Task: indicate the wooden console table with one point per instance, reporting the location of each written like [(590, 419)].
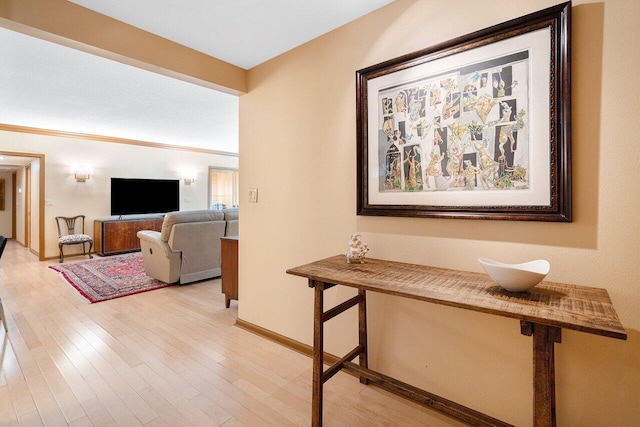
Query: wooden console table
[(542, 312), (229, 250)]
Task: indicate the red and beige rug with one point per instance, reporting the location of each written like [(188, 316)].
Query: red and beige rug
[(102, 279)]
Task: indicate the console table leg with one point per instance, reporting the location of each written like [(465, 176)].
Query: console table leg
[(544, 392), (362, 333), (318, 366)]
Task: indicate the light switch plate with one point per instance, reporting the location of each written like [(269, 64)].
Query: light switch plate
[(253, 195)]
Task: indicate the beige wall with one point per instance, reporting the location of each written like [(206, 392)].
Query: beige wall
[(64, 196), (297, 146)]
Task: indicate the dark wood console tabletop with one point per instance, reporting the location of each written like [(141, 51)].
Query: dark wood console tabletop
[(542, 313)]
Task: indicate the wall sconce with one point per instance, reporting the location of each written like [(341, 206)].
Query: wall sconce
[(189, 178), (81, 173)]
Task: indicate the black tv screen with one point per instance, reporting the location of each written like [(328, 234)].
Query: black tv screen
[(131, 196)]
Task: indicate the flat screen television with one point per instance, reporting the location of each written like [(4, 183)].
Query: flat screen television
[(131, 196)]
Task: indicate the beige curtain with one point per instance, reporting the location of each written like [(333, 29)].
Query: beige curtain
[(224, 187)]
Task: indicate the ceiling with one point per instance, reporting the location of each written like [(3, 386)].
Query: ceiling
[(13, 163), (59, 88), (245, 33)]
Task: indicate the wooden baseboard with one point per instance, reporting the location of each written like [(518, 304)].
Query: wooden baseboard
[(294, 345)]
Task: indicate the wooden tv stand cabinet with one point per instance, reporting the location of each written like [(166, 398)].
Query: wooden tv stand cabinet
[(543, 312), (116, 236)]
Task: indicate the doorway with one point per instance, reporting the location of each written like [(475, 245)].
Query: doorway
[(31, 191)]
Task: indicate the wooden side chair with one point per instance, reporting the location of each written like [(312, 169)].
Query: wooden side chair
[(3, 243), (71, 232)]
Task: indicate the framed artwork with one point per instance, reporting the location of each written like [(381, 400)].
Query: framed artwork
[(2, 189), (476, 127)]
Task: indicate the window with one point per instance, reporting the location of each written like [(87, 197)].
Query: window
[(223, 188)]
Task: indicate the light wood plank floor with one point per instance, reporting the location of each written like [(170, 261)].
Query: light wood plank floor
[(169, 357)]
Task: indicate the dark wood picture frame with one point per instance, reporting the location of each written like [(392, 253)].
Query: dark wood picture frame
[(391, 182)]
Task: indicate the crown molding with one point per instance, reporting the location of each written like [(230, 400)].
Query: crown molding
[(111, 139)]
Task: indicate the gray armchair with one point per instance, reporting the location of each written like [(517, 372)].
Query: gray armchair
[(187, 249)]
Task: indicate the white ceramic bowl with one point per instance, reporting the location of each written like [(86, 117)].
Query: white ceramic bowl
[(516, 277)]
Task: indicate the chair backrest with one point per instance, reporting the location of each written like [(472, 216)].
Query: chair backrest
[(180, 217), (3, 243), (70, 225)]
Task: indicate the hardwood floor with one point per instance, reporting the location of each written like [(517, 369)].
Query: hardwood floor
[(169, 357)]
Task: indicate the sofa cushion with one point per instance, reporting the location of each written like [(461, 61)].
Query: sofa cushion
[(230, 214), (199, 243), (71, 239), (173, 218), (231, 217)]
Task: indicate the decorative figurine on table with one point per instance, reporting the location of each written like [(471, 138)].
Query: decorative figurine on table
[(357, 250)]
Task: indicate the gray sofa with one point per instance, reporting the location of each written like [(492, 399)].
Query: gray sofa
[(187, 248)]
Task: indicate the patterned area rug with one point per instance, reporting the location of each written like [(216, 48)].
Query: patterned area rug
[(101, 279)]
